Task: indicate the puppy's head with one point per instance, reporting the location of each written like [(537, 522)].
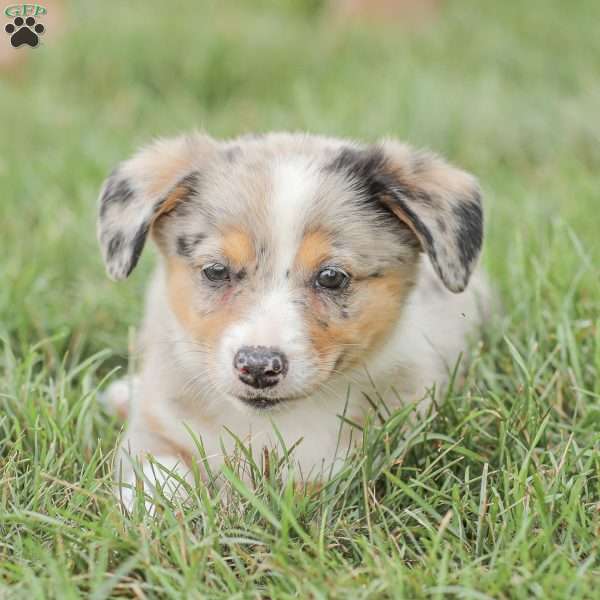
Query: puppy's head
[(288, 258)]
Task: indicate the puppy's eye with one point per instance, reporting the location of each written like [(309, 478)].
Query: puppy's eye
[(216, 272), (332, 278)]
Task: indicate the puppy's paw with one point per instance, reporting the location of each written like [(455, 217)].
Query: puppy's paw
[(119, 395), (165, 476)]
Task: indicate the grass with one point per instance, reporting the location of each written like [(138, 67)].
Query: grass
[(494, 495)]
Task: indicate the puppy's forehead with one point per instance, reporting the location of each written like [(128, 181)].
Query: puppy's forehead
[(279, 190), (265, 189)]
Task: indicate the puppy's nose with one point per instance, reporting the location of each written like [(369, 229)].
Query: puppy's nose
[(259, 366)]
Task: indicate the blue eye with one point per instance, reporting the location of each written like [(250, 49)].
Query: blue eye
[(332, 278), (216, 272)]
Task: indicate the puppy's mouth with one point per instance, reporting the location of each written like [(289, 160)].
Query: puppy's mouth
[(262, 402)]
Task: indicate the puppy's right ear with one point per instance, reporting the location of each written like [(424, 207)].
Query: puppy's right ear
[(141, 189)]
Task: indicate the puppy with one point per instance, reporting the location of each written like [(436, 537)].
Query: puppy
[(295, 272)]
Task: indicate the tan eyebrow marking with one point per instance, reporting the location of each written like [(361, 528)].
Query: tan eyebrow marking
[(313, 250), (238, 247)]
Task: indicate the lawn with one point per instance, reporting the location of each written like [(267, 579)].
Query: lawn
[(496, 493)]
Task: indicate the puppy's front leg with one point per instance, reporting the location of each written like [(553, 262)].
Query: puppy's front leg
[(149, 460)]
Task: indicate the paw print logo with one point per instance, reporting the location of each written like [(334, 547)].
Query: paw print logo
[(24, 32)]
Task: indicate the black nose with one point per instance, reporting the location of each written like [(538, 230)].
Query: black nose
[(259, 366)]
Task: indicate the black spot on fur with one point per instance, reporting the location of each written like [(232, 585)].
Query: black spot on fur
[(191, 181), (186, 244), (469, 234), (364, 167), (241, 274), (232, 153), (183, 248), (114, 245), (117, 191), (372, 175), (137, 245)]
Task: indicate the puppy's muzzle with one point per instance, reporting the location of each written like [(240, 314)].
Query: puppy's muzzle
[(259, 366)]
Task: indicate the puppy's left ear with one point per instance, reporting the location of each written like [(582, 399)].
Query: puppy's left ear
[(141, 189), (440, 203)]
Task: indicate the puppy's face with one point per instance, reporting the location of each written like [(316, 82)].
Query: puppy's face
[(288, 258)]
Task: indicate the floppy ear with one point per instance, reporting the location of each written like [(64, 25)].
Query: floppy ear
[(141, 189), (439, 203), (442, 205)]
